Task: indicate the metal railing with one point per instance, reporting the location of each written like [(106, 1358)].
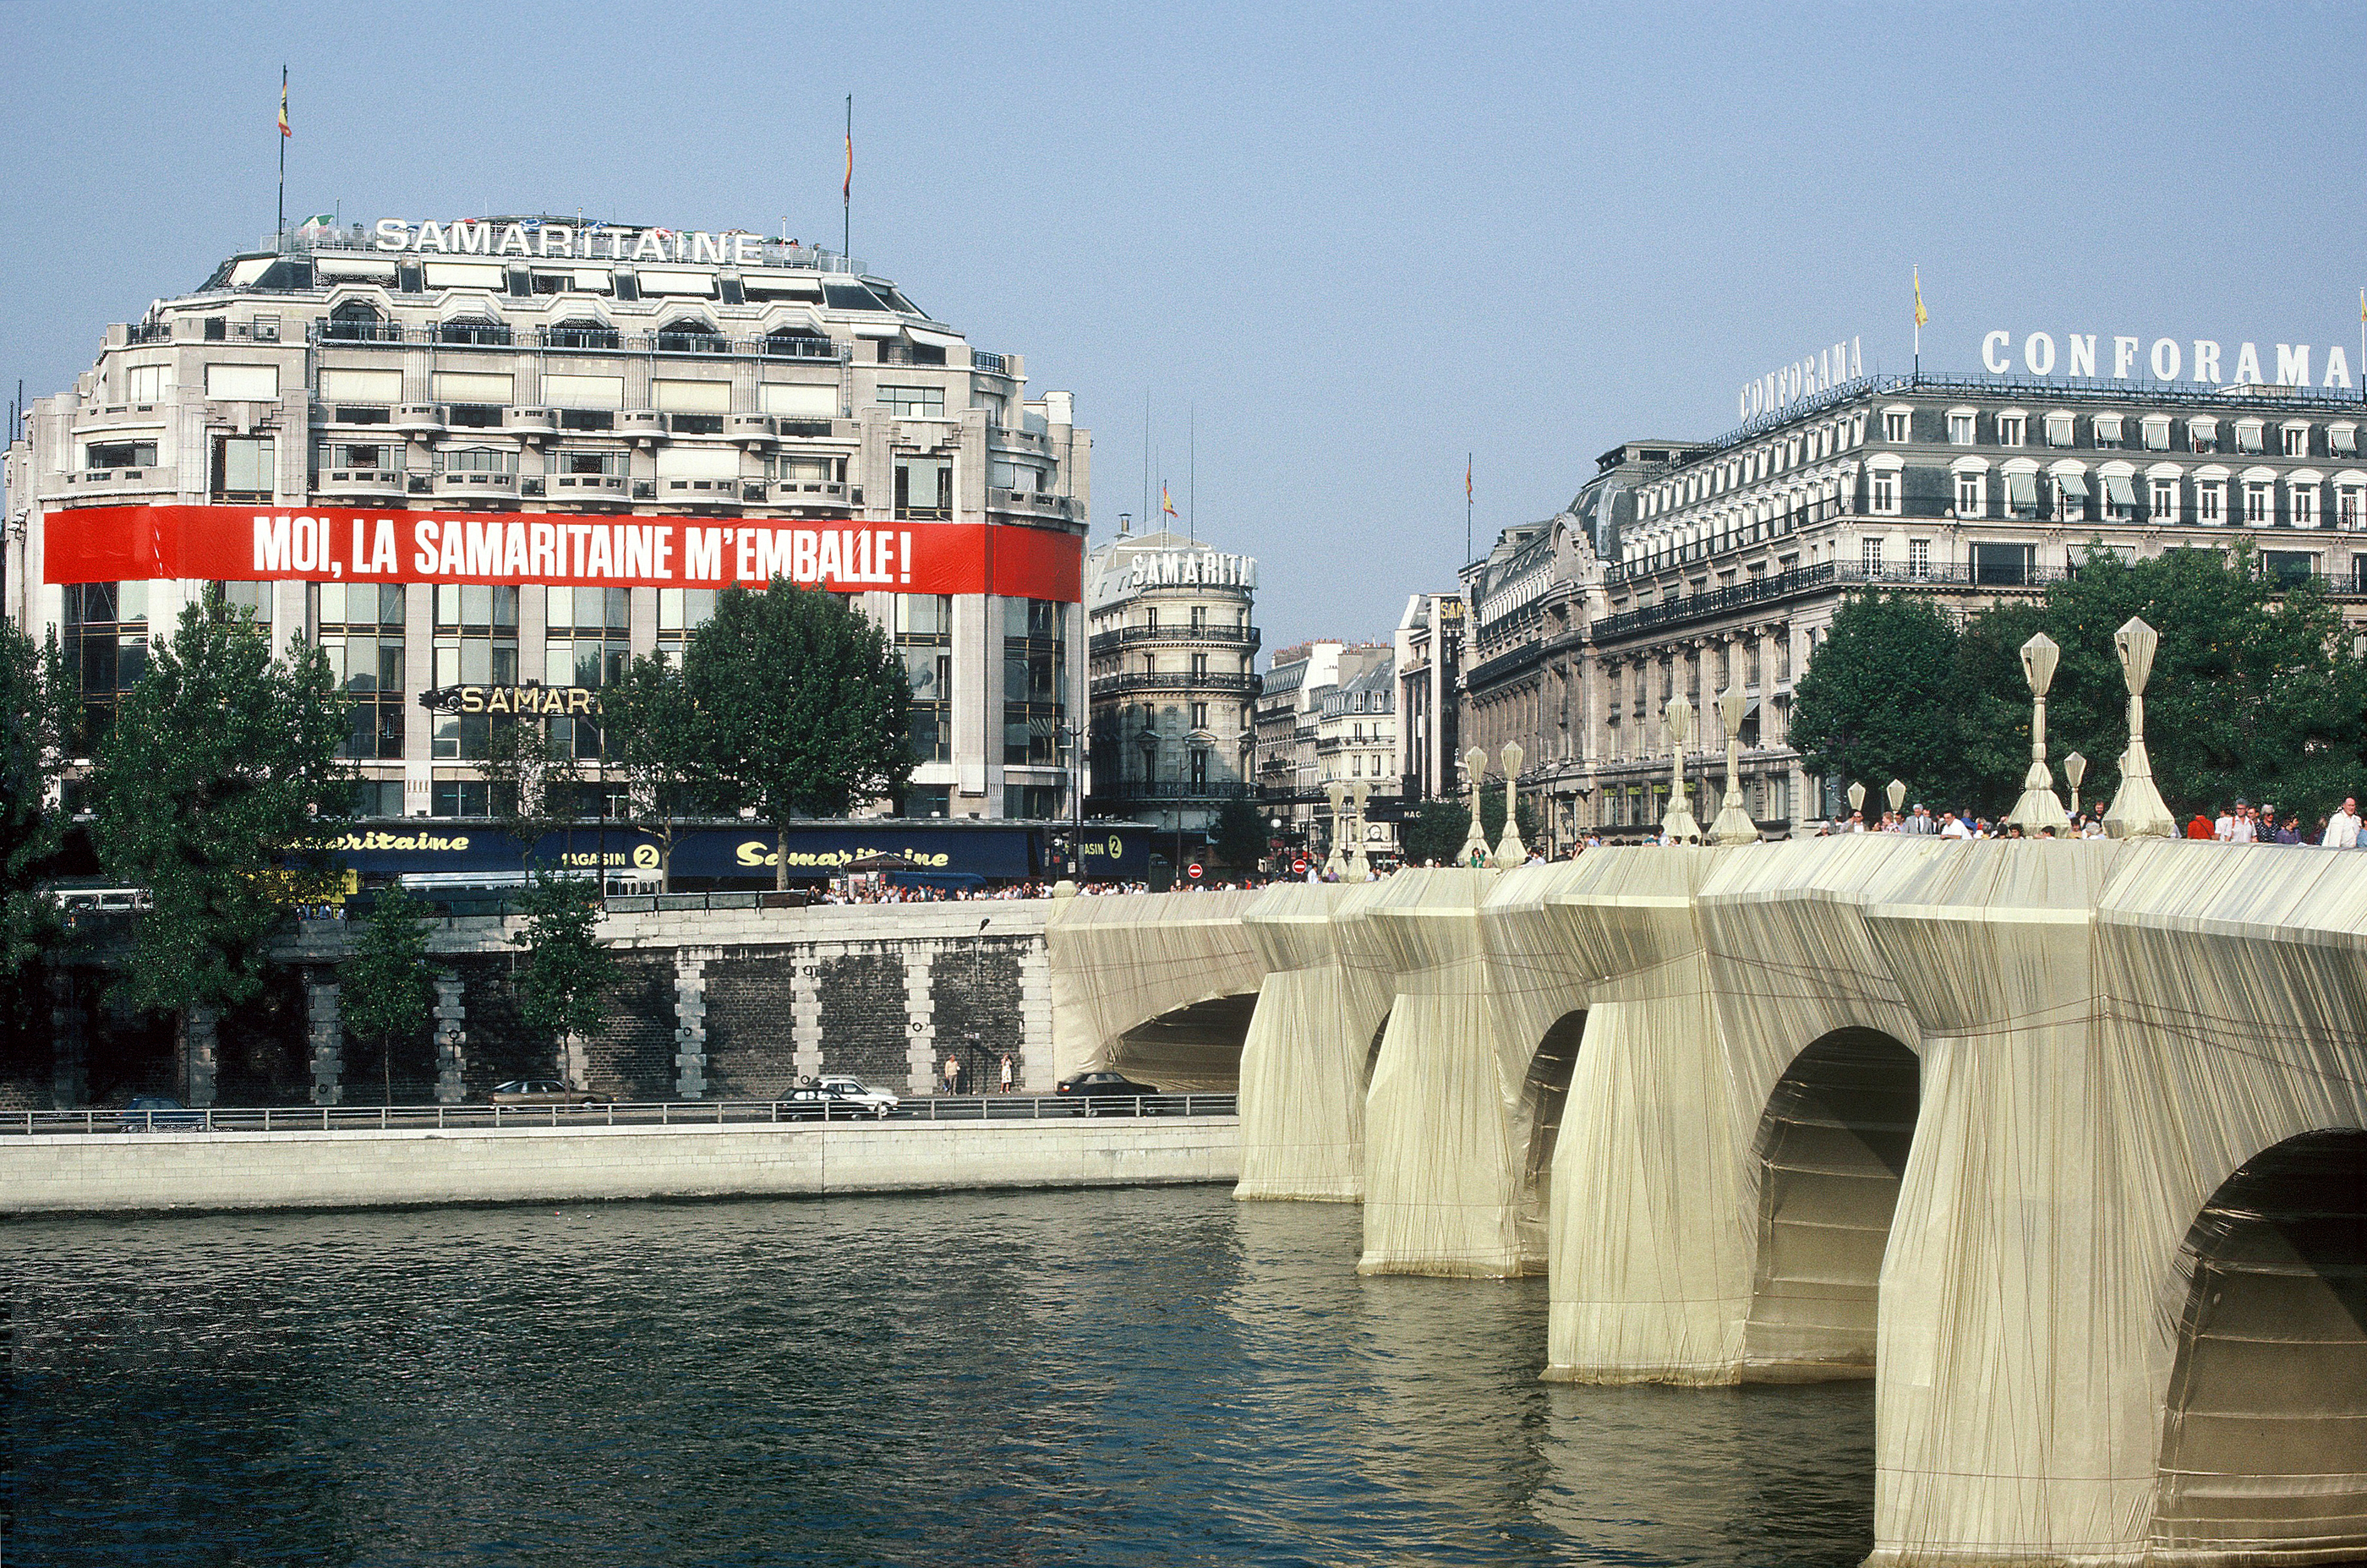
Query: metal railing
[(1212, 681), (577, 340), (1173, 632), (688, 1115)]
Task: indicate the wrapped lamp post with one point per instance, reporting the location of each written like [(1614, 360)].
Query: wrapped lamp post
[(1678, 824), (1895, 791), (2138, 810), (1335, 864), (1359, 868), (1857, 799), (1474, 843), (2075, 767), (1509, 851), (2039, 805), (1734, 825)]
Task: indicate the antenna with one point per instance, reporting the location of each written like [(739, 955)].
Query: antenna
[(1146, 454), (1192, 472)]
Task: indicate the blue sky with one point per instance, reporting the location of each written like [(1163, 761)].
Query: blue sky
[(1340, 247)]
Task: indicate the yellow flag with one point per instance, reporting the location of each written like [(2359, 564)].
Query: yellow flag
[(1922, 317)]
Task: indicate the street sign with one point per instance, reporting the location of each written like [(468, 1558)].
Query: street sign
[(1299, 864), (1193, 871)]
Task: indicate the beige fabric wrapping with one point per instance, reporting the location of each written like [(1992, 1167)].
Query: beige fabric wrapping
[(1120, 961), (1304, 1062)]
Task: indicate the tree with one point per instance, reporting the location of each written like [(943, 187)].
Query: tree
[(1879, 701), (2255, 690), (800, 707), (567, 968), (531, 780), (652, 733), (1434, 835), (383, 990), (33, 718), (216, 790), (1241, 836)]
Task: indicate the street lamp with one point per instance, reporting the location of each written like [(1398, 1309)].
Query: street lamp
[(2038, 806), (2075, 767), (1148, 741)]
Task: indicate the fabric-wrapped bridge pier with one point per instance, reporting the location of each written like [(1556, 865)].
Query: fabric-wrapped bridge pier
[(2063, 1143)]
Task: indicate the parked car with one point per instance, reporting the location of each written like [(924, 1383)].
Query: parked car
[(154, 1114), (1106, 1093), (543, 1091), (833, 1098)]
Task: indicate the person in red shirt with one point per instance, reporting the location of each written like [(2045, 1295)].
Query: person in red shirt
[(2200, 828)]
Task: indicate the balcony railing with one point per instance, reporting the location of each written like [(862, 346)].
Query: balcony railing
[(1172, 789), (992, 364), (1227, 681), (1032, 502), (573, 340), (1127, 637)]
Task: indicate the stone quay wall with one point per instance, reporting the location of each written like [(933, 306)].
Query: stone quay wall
[(709, 1005), (80, 1173)]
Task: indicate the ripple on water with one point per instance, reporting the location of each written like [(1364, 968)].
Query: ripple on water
[(1147, 1376)]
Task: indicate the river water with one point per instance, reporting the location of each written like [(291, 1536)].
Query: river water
[(1145, 1376)]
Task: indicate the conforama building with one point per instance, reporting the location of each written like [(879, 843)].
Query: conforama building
[(485, 461)]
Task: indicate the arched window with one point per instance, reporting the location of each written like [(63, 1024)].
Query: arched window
[(355, 320), (689, 335), (480, 330), (582, 332)]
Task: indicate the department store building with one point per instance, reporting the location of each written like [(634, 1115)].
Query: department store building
[(1685, 566), (483, 463)]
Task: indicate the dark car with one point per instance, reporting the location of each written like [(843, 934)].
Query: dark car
[(1106, 1093), (543, 1091), (154, 1114)]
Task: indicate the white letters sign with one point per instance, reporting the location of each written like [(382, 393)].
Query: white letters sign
[(2199, 360), (1820, 372)]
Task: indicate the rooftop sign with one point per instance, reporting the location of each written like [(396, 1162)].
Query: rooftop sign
[(2166, 360), (1818, 372), (595, 241)]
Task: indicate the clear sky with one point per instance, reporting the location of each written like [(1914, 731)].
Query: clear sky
[(1336, 248)]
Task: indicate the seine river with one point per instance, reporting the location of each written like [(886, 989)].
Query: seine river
[(1149, 1376)]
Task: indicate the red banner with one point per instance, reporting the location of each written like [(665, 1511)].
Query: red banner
[(232, 544)]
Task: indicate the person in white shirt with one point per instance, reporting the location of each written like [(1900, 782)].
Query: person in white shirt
[(1953, 827), (2223, 829), (2342, 828), (2242, 830)]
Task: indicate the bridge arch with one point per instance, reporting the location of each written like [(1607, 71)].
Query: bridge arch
[(1544, 1091), (1193, 1049), (2265, 1417), (1830, 1155)]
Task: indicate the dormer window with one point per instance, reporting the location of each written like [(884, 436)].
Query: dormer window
[(2157, 432), (2010, 426), (2202, 435), (2060, 429), (2296, 440), (2108, 430), (582, 332), (2248, 434), (1960, 427), (1895, 423), (689, 335)]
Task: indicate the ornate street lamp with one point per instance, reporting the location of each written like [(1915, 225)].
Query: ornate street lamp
[(2039, 805), (2138, 810), (1509, 851), (1734, 825), (1679, 823), (1474, 843), (2075, 767), (1359, 869), (1896, 791), (1335, 864)]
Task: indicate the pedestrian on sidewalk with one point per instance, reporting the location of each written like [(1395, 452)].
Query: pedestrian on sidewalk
[(1007, 1072)]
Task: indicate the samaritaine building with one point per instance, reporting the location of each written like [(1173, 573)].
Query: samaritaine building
[(1173, 649), (482, 462), (1724, 561)]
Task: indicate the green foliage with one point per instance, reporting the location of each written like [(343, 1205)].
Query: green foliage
[(1241, 836), (2254, 691), (567, 968), (652, 735), (532, 779), (384, 993), (215, 789), (800, 705), (1877, 702), (1434, 835), (33, 692)]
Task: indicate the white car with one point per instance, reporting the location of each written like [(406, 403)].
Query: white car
[(834, 1097)]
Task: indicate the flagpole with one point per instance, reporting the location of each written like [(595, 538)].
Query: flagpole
[(846, 192), (1919, 322), (279, 234), (1466, 508)]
